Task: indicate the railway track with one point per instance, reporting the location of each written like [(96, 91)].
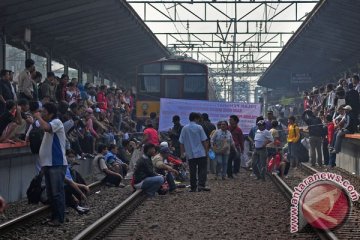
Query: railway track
[(35, 216), (350, 229), (288, 192), (113, 225)]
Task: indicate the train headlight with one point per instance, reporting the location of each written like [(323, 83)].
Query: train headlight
[(145, 106)]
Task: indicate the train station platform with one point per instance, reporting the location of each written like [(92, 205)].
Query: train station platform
[(349, 157), (18, 167)]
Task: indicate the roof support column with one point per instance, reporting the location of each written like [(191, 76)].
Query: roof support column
[(48, 61), (91, 78), (66, 67), (2, 50), (80, 72), (27, 50)]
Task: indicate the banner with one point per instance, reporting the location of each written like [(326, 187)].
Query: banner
[(247, 112)]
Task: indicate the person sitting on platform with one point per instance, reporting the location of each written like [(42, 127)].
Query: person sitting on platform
[(343, 128), (145, 177), (9, 121)]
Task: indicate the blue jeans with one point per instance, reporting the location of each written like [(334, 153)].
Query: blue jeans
[(259, 162), (54, 181), (292, 152), (338, 139), (152, 184), (171, 182), (221, 164)]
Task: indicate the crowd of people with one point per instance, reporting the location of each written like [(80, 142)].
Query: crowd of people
[(64, 120)]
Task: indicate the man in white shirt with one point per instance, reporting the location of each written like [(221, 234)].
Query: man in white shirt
[(53, 161), (193, 143), (26, 89), (262, 138)]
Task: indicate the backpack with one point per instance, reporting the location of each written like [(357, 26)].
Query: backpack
[(35, 190), (35, 137)]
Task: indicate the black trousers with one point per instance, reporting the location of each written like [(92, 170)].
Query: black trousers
[(112, 180), (198, 169), (233, 163)]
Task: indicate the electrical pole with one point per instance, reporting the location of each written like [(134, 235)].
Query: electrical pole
[(234, 56)]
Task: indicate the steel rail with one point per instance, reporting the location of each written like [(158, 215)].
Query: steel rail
[(286, 190), (20, 220), (109, 221)]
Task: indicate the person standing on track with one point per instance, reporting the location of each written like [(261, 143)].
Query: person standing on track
[(53, 160), (235, 152), (193, 143), (262, 138)]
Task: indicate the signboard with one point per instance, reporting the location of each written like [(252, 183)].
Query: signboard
[(301, 78), (247, 112)]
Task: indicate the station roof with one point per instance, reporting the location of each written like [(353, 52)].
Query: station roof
[(325, 45), (106, 35)]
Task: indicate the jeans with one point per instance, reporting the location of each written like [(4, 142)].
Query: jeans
[(233, 165), (292, 154), (152, 184), (332, 160), (339, 137), (54, 181), (171, 182), (259, 162), (221, 164), (325, 150), (315, 144), (198, 167)]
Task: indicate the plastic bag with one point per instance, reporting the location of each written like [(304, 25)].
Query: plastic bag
[(211, 154)]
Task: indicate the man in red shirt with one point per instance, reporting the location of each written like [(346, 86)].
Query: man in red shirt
[(330, 139), (150, 134), (238, 137), (101, 99)]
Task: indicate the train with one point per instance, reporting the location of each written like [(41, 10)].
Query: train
[(176, 77)]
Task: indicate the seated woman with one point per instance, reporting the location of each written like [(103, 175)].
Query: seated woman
[(9, 121), (101, 172), (144, 176)]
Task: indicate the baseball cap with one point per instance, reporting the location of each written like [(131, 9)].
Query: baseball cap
[(164, 144), (164, 150), (347, 107)]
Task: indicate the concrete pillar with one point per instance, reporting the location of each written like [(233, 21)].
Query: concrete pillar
[(2, 50), (80, 80), (48, 61), (66, 68), (27, 50)]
